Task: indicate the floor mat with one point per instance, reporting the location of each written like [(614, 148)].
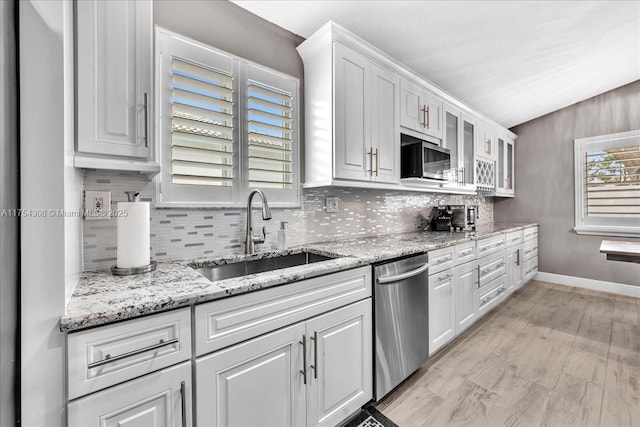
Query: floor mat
[(371, 417)]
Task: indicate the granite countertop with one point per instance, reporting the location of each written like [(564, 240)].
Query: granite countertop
[(101, 298)]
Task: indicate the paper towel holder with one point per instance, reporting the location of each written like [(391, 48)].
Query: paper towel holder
[(134, 270)]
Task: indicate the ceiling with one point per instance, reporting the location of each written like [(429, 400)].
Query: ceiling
[(511, 60)]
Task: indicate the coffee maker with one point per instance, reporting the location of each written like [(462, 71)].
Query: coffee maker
[(463, 217)]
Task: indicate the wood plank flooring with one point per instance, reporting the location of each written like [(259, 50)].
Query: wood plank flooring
[(550, 355)]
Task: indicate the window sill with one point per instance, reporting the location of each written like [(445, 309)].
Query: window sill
[(600, 230)]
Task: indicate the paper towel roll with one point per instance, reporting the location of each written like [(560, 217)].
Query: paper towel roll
[(133, 245)]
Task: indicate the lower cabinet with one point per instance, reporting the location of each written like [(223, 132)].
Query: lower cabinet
[(161, 399), (465, 283), (313, 373), (515, 278), (442, 315)]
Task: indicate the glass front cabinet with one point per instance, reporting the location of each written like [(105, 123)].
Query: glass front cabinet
[(505, 185)]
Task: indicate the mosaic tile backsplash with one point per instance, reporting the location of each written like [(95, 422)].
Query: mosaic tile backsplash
[(186, 234)]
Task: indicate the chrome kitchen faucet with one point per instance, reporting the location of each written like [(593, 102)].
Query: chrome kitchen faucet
[(251, 240)]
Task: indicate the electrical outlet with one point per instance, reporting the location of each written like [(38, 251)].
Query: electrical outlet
[(331, 204), (97, 205)]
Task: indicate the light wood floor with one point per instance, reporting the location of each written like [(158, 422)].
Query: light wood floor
[(551, 355)]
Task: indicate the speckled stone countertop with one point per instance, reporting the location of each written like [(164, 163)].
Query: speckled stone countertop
[(101, 298)]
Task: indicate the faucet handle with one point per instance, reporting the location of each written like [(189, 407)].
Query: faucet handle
[(260, 239)]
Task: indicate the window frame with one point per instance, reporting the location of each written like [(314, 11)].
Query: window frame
[(619, 227), (169, 195)]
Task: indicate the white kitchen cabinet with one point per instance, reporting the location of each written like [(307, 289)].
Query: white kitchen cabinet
[(467, 151), (353, 134), (339, 357), (505, 186), (256, 383), (114, 82), (420, 110), (465, 282), (486, 141), (385, 138), (459, 136), (514, 268), (352, 125), (367, 143), (312, 373), (442, 321), (161, 399)]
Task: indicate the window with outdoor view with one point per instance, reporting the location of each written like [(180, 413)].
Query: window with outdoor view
[(608, 184)]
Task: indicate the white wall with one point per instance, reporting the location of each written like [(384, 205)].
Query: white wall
[(50, 246)]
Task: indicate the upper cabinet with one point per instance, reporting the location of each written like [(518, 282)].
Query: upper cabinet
[(358, 101), (352, 130), (114, 85), (420, 111), (505, 185)]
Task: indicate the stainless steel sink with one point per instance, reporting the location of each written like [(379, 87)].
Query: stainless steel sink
[(244, 268)]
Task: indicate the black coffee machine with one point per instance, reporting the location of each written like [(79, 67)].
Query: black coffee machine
[(441, 218)]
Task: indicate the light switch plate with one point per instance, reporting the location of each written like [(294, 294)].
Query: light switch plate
[(97, 205), (331, 204)]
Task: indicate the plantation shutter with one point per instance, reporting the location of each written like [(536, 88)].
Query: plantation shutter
[(202, 144), (272, 140), (612, 182), (270, 136)]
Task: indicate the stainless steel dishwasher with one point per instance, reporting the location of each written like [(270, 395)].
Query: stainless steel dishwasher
[(401, 300)]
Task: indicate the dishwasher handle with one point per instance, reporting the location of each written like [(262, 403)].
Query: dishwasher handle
[(403, 276)]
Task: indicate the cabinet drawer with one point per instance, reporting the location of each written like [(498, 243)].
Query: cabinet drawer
[(530, 249), (159, 399), (490, 268), (514, 238), (490, 245), (441, 259), (101, 357), (492, 296), (228, 321), (465, 252), (530, 233), (530, 268)]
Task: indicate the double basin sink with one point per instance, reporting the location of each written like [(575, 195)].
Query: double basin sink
[(244, 268)]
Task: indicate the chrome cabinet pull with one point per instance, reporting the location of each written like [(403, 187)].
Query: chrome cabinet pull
[(146, 120), (314, 338), (515, 239), (440, 261), (518, 257), (377, 161), (370, 154), (478, 276), (183, 396), (428, 120), (445, 277), (109, 359), (303, 371)]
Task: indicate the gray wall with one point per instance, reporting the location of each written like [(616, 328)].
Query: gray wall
[(545, 183)]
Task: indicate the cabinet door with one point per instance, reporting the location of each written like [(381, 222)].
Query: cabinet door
[(432, 111), (442, 326), (451, 138), (385, 131), (352, 139), (340, 363), (509, 162), (420, 111), (255, 383), (486, 146), (410, 115), (162, 399), (467, 151), (465, 283), (114, 52)]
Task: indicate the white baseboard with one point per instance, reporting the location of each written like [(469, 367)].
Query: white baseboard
[(596, 285)]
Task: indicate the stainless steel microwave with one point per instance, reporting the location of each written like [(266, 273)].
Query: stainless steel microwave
[(423, 159)]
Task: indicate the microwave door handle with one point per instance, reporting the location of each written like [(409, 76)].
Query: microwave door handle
[(403, 276)]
